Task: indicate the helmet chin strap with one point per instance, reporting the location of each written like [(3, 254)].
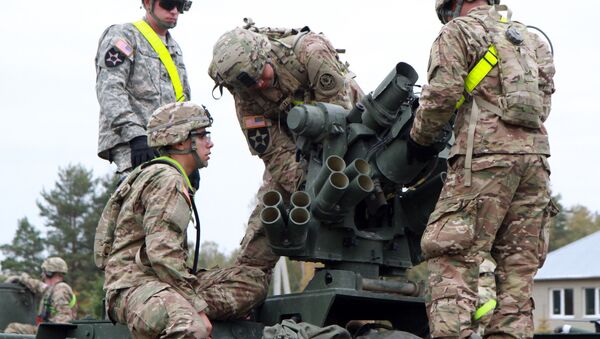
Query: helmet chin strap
[(199, 163), (191, 150), (160, 22)]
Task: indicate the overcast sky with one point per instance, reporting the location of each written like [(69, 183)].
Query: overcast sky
[(50, 113)]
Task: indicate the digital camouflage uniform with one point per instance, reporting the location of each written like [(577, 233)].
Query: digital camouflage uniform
[(58, 302), (131, 82), (148, 284), (309, 72), (506, 208)]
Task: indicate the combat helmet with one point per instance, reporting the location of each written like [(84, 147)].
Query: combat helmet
[(442, 8), (173, 123), (239, 57), (55, 265)]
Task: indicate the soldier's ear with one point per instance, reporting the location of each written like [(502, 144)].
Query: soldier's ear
[(183, 145)]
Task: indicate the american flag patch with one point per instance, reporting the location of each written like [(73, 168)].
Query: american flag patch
[(256, 121), (124, 47)]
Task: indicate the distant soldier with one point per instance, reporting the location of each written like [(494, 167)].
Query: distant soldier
[(141, 240), (58, 302), (498, 78), (268, 71), (139, 68)]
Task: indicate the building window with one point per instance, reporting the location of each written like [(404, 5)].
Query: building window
[(562, 302), (592, 302)]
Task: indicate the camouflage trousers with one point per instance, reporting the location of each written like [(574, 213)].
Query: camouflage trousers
[(155, 309), (18, 328), (283, 174), (505, 212)]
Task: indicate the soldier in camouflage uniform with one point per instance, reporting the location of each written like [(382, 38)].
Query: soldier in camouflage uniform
[(149, 285), (132, 81), (496, 198), (268, 71), (58, 303)]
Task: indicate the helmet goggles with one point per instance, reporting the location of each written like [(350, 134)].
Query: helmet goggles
[(182, 5)]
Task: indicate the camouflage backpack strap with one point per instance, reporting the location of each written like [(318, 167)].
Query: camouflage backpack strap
[(520, 102), (104, 237), (46, 308), (177, 166), (285, 51)]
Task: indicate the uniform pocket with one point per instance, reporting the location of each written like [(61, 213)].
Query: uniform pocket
[(444, 312), (451, 227)]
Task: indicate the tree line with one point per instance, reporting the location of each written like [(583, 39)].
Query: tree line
[(71, 209)]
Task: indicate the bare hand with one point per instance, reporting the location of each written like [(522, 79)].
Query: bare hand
[(207, 324)]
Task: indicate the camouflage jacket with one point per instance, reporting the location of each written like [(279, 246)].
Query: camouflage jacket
[(130, 87), (57, 302), (313, 72), (150, 239), (459, 46)]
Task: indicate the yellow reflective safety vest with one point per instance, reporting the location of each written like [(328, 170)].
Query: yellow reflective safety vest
[(164, 55)]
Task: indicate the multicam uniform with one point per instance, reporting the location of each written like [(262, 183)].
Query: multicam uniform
[(57, 305), (486, 290), (309, 72), (131, 83), (506, 207), (149, 285)]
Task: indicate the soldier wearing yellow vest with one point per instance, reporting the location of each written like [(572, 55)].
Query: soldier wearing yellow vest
[(496, 199), (139, 68), (58, 303)]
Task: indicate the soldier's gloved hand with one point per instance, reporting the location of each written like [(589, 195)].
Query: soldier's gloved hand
[(140, 152), (195, 179), (416, 151)]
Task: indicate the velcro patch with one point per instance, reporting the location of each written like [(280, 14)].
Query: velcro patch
[(124, 47), (114, 57), (255, 121), (259, 139), (327, 81)]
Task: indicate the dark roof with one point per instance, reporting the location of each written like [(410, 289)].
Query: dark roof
[(577, 260)]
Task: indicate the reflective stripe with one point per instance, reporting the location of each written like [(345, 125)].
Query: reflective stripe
[(481, 69), (484, 309), (73, 301), (177, 165), (164, 55)]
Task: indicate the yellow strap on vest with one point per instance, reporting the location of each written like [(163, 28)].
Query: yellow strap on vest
[(73, 301), (484, 309), (481, 69), (164, 55)]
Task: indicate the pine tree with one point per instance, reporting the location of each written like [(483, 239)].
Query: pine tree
[(25, 253), (66, 210), (71, 211)]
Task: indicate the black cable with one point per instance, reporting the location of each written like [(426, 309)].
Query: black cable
[(546, 36)]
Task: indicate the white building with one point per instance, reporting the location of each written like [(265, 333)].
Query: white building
[(567, 288)]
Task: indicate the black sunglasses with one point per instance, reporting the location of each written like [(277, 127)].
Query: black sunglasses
[(182, 6)]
